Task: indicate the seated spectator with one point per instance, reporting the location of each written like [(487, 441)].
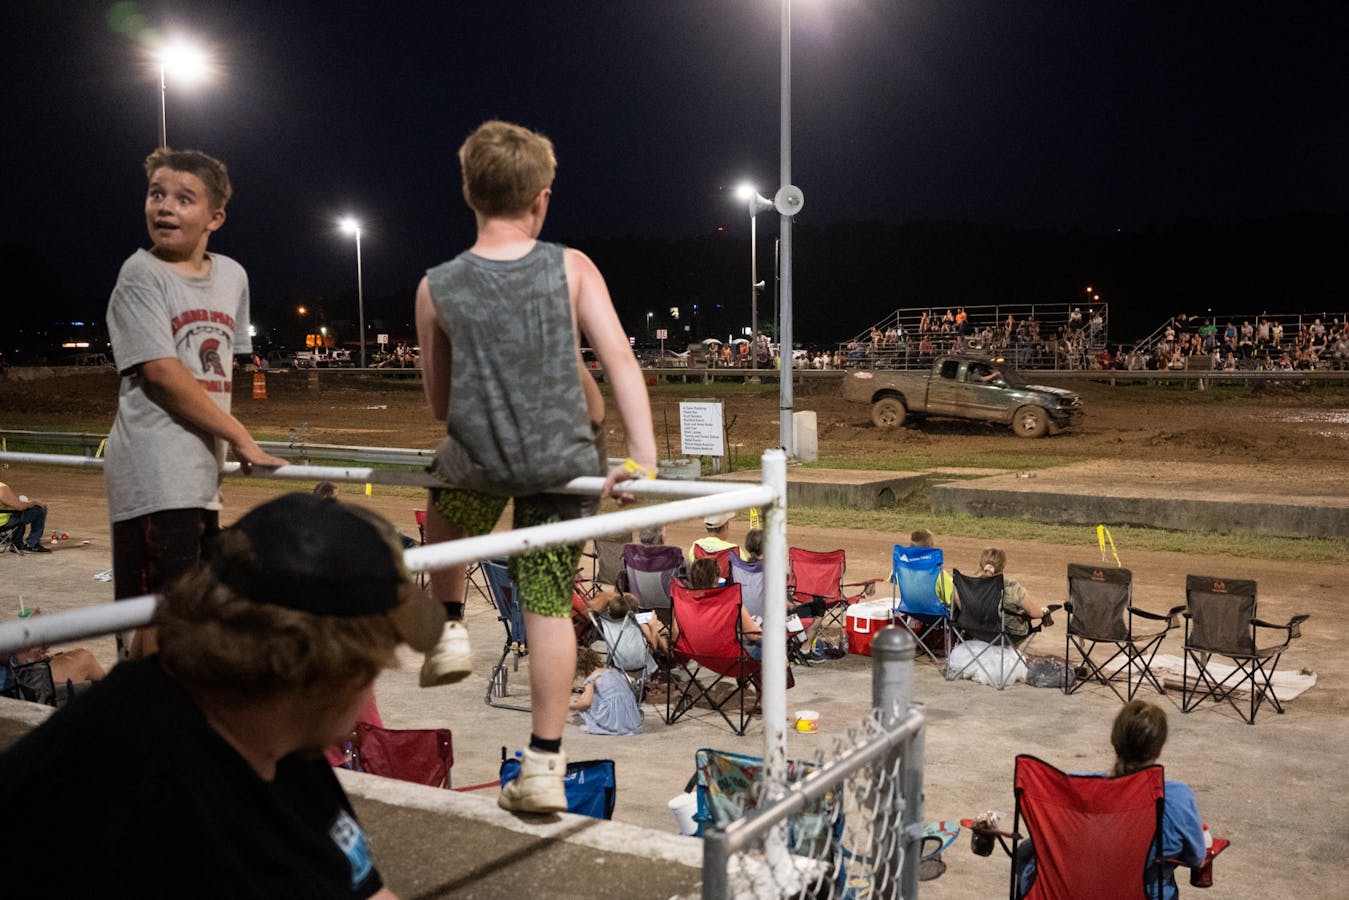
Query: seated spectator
[(1014, 600), (202, 764), (30, 514), (615, 607), (1138, 736), (703, 574), (605, 699), (77, 666), (718, 525)]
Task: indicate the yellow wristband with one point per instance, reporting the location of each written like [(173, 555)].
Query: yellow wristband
[(636, 470)]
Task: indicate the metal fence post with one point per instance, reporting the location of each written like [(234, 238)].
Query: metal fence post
[(892, 653)]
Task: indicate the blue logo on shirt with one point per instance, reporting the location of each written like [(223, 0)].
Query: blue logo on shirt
[(350, 839)]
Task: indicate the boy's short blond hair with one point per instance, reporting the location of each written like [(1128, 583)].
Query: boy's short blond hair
[(504, 167), (210, 170)]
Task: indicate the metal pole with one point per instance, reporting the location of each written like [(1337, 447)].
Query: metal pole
[(360, 294), (892, 654), (163, 113), (785, 243), (753, 283), (773, 671)]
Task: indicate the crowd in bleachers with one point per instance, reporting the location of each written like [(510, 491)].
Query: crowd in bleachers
[(1258, 343), (1061, 336)]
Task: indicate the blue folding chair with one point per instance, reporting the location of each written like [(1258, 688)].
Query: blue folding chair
[(506, 599), (590, 784), (916, 576)]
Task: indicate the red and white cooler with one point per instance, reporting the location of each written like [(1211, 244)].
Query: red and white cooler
[(864, 620)]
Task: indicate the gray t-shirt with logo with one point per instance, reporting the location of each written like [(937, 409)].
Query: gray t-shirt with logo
[(156, 462), (517, 423)]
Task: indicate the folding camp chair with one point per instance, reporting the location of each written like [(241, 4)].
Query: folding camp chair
[(818, 575), (919, 609), (590, 785), (626, 650), (1101, 612), (753, 591), (608, 559), (979, 616), (650, 570), (1093, 836), (1220, 619), (728, 786), (723, 558), (507, 601), (419, 755), (709, 651)]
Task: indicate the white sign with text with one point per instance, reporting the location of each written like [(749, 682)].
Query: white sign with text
[(700, 430)]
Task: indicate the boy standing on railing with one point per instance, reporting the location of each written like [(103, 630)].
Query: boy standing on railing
[(500, 329)]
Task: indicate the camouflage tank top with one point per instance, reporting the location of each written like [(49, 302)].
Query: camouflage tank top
[(517, 422)]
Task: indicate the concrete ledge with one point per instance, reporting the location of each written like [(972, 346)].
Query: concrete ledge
[(432, 843), (849, 488), (1180, 497)]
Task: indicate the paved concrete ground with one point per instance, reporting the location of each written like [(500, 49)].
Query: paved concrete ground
[(1275, 788)]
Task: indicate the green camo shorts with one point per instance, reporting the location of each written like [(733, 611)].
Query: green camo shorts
[(545, 576)]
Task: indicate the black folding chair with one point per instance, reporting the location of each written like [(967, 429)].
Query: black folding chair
[(1220, 620), (1101, 613), (979, 616)]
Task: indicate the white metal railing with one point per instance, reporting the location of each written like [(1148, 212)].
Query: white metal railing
[(699, 499)]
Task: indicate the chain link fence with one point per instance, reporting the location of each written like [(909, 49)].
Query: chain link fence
[(846, 826)]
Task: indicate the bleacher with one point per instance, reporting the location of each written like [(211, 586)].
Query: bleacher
[(1068, 335), (1265, 342)]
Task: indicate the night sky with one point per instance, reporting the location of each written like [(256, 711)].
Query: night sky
[(1087, 114)]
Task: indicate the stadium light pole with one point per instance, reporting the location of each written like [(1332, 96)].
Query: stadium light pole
[(188, 64), (756, 203), (351, 226)]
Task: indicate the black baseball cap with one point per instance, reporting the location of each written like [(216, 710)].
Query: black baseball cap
[(324, 557)]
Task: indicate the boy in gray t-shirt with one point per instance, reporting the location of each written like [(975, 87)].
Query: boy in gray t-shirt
[(176, 318)]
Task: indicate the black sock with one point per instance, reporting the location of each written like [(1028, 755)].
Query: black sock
[(538, 743), (454, 612)]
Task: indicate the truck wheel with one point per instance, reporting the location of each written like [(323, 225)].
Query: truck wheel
[(888, 412), (1030, 422)]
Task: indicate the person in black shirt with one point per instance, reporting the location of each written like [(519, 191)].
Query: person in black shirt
[(199, 771)]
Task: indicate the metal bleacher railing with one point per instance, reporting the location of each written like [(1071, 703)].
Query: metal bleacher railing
[(878, 767)]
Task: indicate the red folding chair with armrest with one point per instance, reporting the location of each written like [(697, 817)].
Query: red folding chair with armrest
[(709, 651), (818, 575)]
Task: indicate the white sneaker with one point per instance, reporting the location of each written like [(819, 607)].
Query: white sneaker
[(538, 788), (450, 660)]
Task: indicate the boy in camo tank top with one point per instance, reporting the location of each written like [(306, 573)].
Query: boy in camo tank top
[(500, 328)]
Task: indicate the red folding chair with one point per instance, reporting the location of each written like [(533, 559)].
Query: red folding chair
[(418, 755), (709, 651), (723, 558), (818, 575), (1092, 836)]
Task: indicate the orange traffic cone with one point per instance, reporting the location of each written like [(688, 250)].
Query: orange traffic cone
[(259, 386)]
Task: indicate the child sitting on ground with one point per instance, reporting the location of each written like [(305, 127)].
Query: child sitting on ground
[(605, 700)]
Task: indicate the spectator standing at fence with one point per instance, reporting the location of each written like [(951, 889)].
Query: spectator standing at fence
[(500, 329), (198, 771), (176, 319)]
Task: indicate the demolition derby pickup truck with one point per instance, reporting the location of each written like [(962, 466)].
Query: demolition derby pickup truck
[(963, 387)]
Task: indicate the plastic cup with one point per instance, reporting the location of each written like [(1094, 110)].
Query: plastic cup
[(807, 721), (683, 806)]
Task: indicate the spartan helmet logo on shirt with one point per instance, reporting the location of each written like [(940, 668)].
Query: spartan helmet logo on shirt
[(210, 357)]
